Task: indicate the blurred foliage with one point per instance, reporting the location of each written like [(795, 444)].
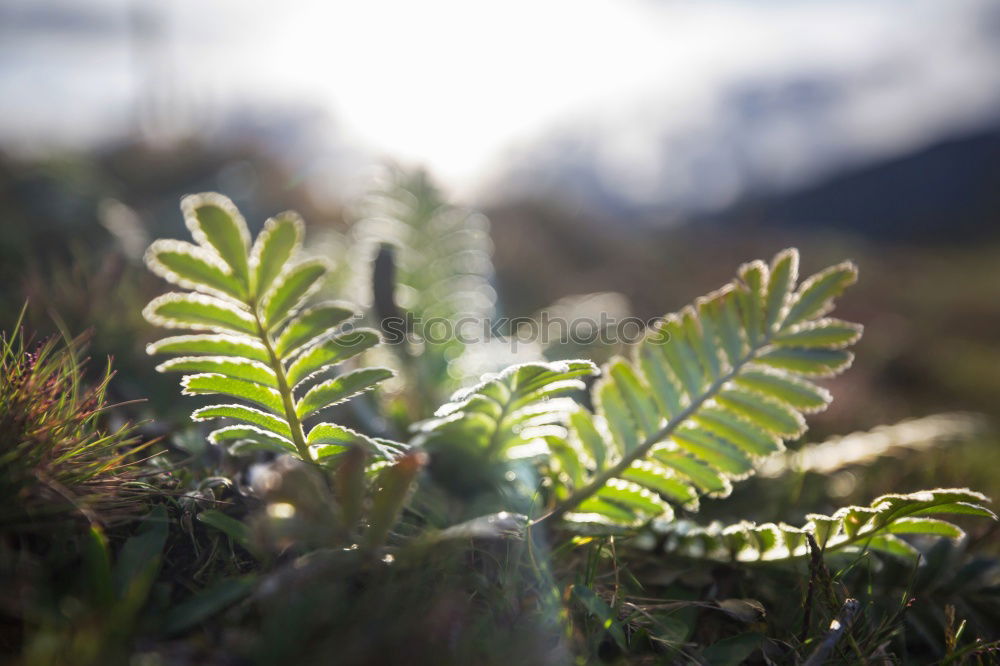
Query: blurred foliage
[(431, 260)]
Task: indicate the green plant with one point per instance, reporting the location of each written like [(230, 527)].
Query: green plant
[(851, 529), (707, 394), (498, 420), (265, 347), (430, 261), (58, 458), (262, 347), (542, 513), (701, 400), (95, 620)]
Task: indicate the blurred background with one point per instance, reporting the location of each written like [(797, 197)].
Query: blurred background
[(637, 149)]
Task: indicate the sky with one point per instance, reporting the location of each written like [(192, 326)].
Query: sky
[(467, 88)]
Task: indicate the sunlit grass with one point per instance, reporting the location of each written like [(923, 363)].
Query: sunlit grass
[(58, 456)]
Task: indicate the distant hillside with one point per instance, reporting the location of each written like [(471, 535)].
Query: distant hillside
[(948, 191)]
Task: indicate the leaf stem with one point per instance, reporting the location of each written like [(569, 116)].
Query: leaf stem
[(639, 452), (287, 399)]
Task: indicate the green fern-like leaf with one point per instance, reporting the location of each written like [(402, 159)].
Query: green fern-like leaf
[(252, 339), (440, 270), (507, 416), (876, 527), (862, 448), (705, 395)]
